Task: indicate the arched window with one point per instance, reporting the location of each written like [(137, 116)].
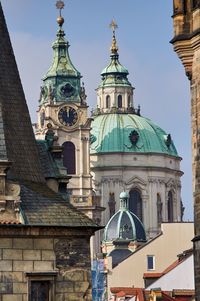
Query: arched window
[(170, 207), (111, 203), (135, 203), (159, 209), (69, 157), (42, 118), (107, 101), (119, 101)]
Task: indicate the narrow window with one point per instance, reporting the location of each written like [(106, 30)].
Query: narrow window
[(129, 101), (42, 118), (170, 207), (69, 157), (119, 101), (150, 262), (107, 101), (135, 203), (111, 203), (159, 209)]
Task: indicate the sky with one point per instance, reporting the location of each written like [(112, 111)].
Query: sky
[(144, 31)]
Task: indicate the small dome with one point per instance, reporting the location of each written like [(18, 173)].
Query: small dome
[(124, 225), (123, 195), (129, 133)]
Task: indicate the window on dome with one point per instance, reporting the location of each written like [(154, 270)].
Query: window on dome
[(135, 203), (69, 157), (170, 207), (119, 101), (107, 101), (159, 209)]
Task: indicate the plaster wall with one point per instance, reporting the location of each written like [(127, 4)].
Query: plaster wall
[(181, 277)]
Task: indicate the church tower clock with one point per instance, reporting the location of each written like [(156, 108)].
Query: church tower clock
[(63, 108)]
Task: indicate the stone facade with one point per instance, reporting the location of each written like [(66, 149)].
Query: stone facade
[(150, 174), (186, 44), (61, 260)]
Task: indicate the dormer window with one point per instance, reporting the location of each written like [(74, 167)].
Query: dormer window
[(107, 101), (119, 101)]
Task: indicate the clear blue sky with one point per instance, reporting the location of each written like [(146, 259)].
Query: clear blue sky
[(145, 29)]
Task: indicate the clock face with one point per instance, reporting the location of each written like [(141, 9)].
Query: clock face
[(68, 116)]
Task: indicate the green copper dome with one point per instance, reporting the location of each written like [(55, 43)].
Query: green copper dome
[(122, 132), (124, 224)]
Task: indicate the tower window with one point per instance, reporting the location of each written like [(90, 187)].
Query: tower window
[(129, 101), (119, 101), (69, 157), (135, 203), (159, 209), (170, 207), (42, 118), (107, 101)]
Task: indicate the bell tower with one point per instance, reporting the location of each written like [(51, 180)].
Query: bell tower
[(186, 42), (63, 108)]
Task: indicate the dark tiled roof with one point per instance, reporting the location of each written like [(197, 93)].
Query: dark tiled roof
[(19, 144), (49, 167), (42, 206)]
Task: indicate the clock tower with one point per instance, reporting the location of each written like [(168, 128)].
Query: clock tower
[(63, 110)]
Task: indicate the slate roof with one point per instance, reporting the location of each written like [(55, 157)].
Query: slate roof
[(48, 165), (40, 205), (18, 144)]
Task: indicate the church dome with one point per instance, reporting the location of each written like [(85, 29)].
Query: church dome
[(129, 133), (124, 225)]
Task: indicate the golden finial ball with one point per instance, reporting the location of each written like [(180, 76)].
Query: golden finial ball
[(60, 20)]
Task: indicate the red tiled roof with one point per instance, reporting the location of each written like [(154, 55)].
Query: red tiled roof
[(128, 291)]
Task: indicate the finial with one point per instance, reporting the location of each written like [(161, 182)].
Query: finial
[(114, 48), (60, 5)]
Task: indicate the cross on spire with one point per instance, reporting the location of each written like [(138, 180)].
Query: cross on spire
[(114, 48), (60, 5)]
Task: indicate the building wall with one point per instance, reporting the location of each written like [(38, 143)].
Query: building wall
[(175, 238), (64, 261), (186, 42)]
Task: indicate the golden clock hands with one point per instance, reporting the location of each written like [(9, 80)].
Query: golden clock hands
[(67, 110)]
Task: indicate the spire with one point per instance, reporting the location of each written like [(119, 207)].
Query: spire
[(62, 79), (18, 144), (114, 48)]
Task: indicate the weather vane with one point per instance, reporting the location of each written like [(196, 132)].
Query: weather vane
[(60, 5)]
